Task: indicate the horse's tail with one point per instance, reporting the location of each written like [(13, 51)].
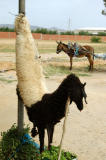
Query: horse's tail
[(93, 54)]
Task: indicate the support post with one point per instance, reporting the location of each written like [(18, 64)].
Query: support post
[(20, 103), (64, 128), (22, 6), (20, 115)]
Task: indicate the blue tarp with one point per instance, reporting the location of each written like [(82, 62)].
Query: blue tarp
[(100, 56)]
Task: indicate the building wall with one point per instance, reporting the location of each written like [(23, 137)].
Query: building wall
[(39, 36)]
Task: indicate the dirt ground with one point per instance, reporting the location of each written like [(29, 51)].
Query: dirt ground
[(85, 131)]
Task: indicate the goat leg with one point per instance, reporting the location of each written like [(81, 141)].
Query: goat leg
[(50, 131), (41, 132), (34, 131)]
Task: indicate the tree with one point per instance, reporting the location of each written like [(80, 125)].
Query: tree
[(104, 11)]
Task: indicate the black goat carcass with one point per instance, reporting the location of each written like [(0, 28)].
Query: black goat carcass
[(51, 109)]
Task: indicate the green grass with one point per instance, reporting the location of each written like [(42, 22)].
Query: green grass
[(100, 48), (51, 70), (100, 67), (7, 47), (7, 80), (7, 50), (45, 46), (47, 50)]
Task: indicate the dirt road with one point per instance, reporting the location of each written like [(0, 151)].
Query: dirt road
[(85, 132)]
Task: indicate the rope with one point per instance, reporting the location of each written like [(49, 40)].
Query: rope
[(64, 128)]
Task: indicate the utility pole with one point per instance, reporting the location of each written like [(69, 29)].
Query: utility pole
[(69, 43), (20, 103), (69, 23)]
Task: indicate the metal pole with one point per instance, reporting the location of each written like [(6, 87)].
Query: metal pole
[(20, 103), (22, 6), (20, 115)]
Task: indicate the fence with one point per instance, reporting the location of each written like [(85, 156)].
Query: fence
[(40, 36)]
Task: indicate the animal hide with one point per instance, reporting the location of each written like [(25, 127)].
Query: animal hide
[(31, 82)]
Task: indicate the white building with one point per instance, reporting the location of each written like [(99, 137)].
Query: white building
[(93, 30)]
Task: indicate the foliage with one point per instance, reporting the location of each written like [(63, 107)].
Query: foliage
[(44, 31), (67, 33), (53, 69), (11, 148), (48, 31), (104, 3), (10, 145), (101, 33), (38, 30), (96, 39), (85, 33), (53, 154), (6, 80), (6, 29), (104, 11)]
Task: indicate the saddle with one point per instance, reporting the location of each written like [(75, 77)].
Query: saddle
[(79, 50)]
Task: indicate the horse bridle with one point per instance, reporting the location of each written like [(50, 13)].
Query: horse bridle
[(58, 51)]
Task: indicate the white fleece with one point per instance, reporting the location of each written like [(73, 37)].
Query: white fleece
[(31, 80)]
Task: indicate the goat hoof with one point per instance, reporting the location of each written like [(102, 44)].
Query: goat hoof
[(34, 132)]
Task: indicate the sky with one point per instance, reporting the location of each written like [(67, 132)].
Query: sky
[(56, 13)]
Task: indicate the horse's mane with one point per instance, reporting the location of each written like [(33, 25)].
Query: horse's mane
[(71, 49), (64, 44)]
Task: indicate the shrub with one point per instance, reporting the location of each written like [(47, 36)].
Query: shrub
[(102, 34), (11, 148), (95, 39), (6, 29), (44, 31), (67, 33), (85, 33), (53, 154)]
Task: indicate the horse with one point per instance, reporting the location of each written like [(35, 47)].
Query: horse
[(86, 51)]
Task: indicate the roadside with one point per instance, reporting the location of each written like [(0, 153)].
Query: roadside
[(86, 130)]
